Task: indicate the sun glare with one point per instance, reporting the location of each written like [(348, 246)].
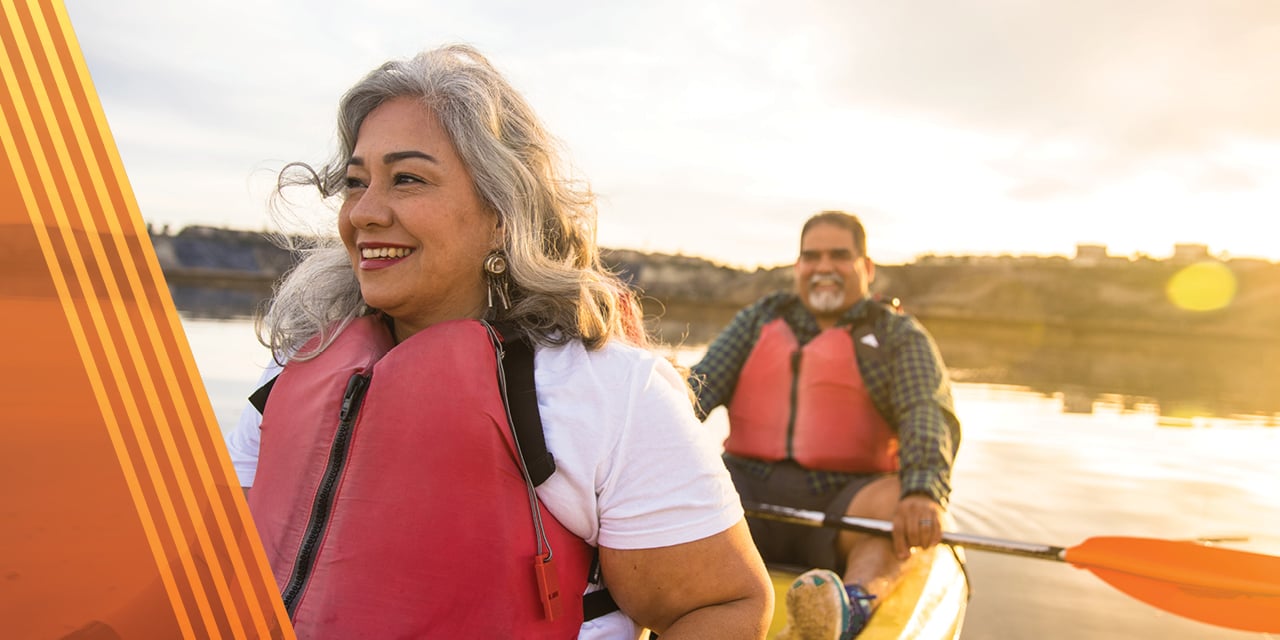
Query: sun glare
[(1204, 286)]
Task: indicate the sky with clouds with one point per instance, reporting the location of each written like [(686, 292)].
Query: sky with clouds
[(714, 128)]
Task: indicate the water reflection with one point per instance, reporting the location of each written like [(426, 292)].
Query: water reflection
[(1183, 379)]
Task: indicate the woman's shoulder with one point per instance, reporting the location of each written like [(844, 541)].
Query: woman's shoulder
[(603, 390), (613, 362), (627, 374)]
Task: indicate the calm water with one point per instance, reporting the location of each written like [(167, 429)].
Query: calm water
[(1053, 466)]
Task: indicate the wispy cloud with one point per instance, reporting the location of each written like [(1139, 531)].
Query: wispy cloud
[(1130, 82), (714, 127)]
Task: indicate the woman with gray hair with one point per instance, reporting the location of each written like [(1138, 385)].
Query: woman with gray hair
[(400, 480)]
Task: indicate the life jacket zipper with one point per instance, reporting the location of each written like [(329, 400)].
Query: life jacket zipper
[(351, 401), (795, 394)]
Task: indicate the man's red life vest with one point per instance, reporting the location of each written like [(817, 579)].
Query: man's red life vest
[(808, 404), (390, 499)]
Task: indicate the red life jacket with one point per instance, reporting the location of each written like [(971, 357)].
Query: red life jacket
[(808, 404), (390, 499)]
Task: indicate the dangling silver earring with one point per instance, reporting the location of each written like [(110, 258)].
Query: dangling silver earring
[(495, 272)]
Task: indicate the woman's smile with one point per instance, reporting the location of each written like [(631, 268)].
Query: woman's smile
[(382, 256)]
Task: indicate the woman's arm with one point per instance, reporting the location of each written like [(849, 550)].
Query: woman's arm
[(716, 587)]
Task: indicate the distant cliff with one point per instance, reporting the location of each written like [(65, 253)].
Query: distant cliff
[(1050, 293), (684, 295)]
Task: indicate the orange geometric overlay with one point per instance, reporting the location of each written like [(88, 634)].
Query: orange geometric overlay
[(121, 516)]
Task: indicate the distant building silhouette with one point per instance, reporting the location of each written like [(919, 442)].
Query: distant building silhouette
[(1088, 255), (1190, 252)]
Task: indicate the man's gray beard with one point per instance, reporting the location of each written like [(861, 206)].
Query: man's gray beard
[(826, 301)]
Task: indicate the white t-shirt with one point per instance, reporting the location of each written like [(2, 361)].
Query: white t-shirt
[(634, 467)]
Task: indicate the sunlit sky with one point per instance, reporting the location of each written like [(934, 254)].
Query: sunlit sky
[(714, 128)]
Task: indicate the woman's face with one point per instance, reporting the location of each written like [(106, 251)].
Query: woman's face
[(412, 222)]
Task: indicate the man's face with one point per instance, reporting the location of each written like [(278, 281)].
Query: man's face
[(830, 275)]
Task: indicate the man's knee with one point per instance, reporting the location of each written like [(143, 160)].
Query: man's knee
[(876, 500)]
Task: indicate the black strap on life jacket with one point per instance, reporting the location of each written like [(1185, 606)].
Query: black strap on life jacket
[(259, 398), (517, 366), (597, 604)]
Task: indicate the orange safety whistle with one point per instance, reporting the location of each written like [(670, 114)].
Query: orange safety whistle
[(548, 585)]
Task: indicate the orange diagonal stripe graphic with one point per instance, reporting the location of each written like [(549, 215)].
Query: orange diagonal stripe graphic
[(125, 516)]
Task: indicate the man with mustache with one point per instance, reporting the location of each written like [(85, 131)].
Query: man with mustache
[(841, 404)]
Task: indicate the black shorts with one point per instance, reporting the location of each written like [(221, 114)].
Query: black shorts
[(787, 483)]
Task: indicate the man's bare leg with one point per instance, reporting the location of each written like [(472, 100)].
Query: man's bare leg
[(869, 559)]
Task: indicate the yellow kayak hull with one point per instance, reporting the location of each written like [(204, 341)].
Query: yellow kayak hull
[(928, 603)]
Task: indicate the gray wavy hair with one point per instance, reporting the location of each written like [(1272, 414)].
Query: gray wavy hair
[(559, 289)]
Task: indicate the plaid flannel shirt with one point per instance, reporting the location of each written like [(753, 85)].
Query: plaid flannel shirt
[(910, 387)]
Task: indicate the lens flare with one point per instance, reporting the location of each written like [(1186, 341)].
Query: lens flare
[(1204, 286)]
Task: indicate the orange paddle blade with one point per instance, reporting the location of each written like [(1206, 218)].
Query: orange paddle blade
[(1224, 587)]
